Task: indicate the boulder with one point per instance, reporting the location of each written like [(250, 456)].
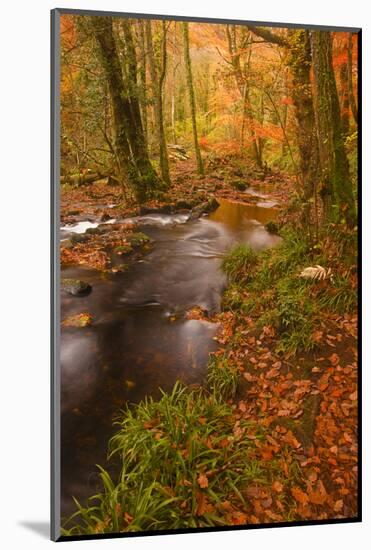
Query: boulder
[(79, 238), (204, 208), (272, 228), (239, 185), (183, 204), (75, 287)]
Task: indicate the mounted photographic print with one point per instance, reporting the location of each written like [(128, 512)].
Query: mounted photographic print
[(205, 215)]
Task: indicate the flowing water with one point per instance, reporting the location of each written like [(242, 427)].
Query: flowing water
[(140, 340)]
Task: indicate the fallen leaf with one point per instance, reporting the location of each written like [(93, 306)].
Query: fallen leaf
[(299, 495), (203, 481), (277, 486)]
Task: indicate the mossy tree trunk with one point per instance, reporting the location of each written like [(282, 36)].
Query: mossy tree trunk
[(352, 100), (129, 143), (336, 190), (344, 97), (300, 61), (191, 93), (158, 73), (143, 76)]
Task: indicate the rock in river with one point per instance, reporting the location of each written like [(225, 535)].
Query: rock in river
[(75, 287)]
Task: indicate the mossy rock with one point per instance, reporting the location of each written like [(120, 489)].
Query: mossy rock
[(272, 228), (79, 238), (164, 209), (211, 205), (99, 230), (204, 208), (123, 249), (183, 204), (239, 185), (67, 244), (138, 239), (75, 287)]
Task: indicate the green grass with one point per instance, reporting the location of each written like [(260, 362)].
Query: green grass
[(222, 378), (342, 297), (164, 446), (268, 286), (239, 264)]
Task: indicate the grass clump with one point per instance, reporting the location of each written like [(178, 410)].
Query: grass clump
[(342, 297), (239, 264), (276, 295), (180, 460), (222, 378)]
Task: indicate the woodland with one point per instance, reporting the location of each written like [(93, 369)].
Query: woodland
[(248, 135)]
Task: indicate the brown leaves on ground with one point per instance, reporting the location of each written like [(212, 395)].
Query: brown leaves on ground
[(79, 320), (308, 407), (95, 251), (197, 313)]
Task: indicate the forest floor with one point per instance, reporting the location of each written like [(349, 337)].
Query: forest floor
[(304, 401)]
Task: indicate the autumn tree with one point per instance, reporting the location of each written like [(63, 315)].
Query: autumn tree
[(192, 101), (240, 55), (129, 140)]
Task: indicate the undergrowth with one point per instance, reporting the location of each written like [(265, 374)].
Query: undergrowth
[(222, 378), (181, 461), (271, 290)]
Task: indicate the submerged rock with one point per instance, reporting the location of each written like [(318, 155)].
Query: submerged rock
[(75, 287), (80, 320)]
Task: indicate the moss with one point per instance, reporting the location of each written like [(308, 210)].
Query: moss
[(123, 249), (138, 239)]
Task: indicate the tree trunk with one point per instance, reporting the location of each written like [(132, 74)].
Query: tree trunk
[(352, 100), (191, 94), (336, 188), (299, 61), (157, 91), (143, 77), (242, 81), (129, 142), (344, 97)]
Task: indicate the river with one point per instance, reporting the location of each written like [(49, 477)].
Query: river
[(140, 340)]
